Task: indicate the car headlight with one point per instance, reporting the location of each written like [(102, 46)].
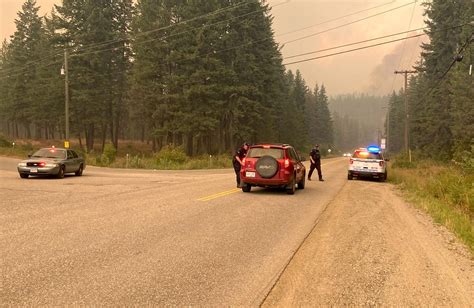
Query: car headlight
[(22, 165), (51, 165)]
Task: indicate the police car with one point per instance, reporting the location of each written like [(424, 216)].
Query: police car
[(368, 162)]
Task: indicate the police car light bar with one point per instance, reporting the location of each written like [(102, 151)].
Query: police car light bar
[(373, 149)]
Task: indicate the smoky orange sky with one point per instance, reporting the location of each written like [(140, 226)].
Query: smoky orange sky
[(370, 70)]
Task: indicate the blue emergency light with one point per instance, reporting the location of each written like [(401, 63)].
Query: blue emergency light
[(373, 149)]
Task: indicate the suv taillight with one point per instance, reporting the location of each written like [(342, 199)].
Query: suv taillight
[(287, 162), (381, 163), (243, 161)]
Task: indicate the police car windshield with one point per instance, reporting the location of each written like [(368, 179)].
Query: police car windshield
[(50, 153), (259, 152), (366, 155)]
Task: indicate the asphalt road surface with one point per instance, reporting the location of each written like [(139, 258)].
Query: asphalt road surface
[(135, 237)]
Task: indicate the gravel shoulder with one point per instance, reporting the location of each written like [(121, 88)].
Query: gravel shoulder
[(372, 248)]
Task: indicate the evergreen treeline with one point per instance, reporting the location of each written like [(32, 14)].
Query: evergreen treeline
[(358, 120), (441, 95), (202, 74)]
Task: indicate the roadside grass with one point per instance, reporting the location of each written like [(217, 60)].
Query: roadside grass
[(444, 191), (131, 154)]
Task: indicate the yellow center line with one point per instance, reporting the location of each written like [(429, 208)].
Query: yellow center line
[(218, 195)]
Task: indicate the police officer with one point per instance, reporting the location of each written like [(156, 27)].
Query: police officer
[(237, 161), (315, 158)]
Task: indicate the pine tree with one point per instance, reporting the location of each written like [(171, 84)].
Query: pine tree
[(24, 50), (433, 107), (325, 124)]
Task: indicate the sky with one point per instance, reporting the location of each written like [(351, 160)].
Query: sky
[(365, 71)]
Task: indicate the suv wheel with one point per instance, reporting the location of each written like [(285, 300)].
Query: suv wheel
[(302, 183), (246, 187), (267, 166), (290, 189)]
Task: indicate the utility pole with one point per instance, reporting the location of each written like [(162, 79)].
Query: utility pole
[(66, 92), (407, 143)]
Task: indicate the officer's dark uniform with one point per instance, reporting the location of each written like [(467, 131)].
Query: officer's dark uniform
[(241, 152), (316, 156)]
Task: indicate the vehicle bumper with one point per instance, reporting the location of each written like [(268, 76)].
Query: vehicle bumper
[(39, 171), (366, 174)]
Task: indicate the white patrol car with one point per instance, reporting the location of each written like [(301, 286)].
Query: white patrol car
[(368, 162)]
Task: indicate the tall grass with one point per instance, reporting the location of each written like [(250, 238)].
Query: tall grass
[(444, 191), (131, 155)]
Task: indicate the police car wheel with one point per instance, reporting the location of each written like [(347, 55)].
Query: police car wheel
[(61, 172), (349, 176)]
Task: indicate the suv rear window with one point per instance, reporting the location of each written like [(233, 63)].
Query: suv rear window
[(366, 155), (259, 152)]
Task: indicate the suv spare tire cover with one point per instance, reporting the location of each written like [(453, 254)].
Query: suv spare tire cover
[(267, 166)]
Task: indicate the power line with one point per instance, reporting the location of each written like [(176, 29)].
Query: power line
[(86, 47), (355, 49), (372, 39), (354, 43), (337, 18), (27, 64), (469, 40), (304, 28), (184, 32), (249, 43), (216, 12), (403, 48), (347, 24), (269, 38)]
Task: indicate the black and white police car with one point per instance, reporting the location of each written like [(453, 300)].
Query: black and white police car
[(368, 162)]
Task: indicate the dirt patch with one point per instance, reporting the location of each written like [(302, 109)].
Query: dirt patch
[(372, 248)]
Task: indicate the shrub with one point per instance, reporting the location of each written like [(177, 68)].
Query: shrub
[(108, 156), (170, 155), (4, 142)]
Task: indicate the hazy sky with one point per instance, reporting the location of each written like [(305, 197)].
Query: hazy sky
[(367, 70)]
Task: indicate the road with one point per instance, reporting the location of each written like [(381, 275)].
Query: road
[(136, 237)]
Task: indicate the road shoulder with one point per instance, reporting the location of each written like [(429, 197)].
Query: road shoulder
[(372, 248)]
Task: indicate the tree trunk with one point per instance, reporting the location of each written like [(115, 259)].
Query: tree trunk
[(28, 130), (89, 137), (16, 130), (104, 136), (80, 141), (115, 139), (143, 133)]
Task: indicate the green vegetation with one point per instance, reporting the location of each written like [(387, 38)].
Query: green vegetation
[(204, 76), (444, 191), (440, 95), (133, 155)]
